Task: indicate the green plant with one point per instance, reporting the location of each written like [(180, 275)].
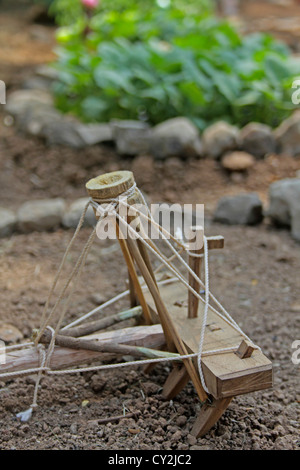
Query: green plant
[(155, 63)]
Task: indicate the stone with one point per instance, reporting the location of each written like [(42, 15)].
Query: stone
[(64, 132), (93, 134), (192, 440), (48, 72), (36, 83), (20, 100), (257, 139), (238, 161), (284, 207), (177, 137), (242, 209), (73, 213), (131, 137), (8, 221), (287, 135), (219, 138), (40, 215), (9, 333), (35, 117), (150, 388)]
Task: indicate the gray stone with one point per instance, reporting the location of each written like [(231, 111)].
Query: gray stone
[(92, 134), (45, 71), (242, 209), (19, 101), (42, 79), (8, 222), (284, 208), (36, 83), (9, 333), (73, 213), (131, 137), (257, 139), (287, 135), (219, 138), (64, 132), (176, 137), (40, 215), (36, 117)]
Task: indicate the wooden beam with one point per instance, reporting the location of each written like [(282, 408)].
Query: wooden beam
[(149, 336)]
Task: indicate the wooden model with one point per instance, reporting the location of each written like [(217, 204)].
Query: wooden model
[(169, 324)]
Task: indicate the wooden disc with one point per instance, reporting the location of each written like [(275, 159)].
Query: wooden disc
[(110, 185)]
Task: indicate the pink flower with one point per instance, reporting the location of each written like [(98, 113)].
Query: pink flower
[(90, 4)]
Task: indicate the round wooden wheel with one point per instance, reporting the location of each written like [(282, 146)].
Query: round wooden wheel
[(110, 185)]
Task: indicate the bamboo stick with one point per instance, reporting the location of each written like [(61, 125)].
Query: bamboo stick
[(91, 327), (105, 346)]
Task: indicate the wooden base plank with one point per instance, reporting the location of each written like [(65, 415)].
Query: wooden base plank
[(225, 374)]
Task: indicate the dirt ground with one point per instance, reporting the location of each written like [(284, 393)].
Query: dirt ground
[(256, 277)]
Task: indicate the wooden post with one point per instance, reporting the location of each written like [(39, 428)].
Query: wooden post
[(195, 265)]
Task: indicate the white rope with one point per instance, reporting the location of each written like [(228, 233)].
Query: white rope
[(44, 360), (141, 362), (204, 318)]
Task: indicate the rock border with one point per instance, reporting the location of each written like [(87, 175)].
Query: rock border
[(33, 111), (244, 208)]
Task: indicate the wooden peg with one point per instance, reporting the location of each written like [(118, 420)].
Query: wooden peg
[(245, 349)]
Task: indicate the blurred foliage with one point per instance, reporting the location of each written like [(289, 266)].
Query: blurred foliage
[(66, 12), (153, 63)]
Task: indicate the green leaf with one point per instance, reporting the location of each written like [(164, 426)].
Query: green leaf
[(276, 69)]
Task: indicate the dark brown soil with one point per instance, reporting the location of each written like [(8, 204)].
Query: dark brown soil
[(256, 277)]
